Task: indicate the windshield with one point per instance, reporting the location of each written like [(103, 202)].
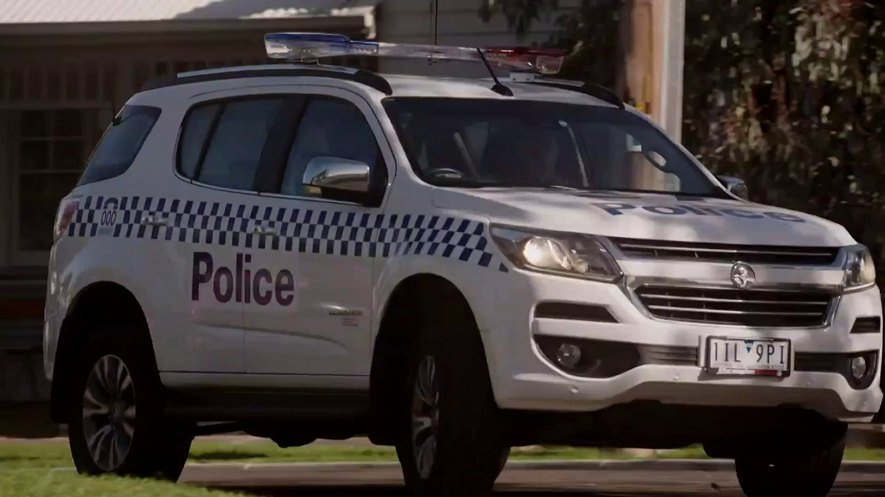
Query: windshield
[(476, 143)]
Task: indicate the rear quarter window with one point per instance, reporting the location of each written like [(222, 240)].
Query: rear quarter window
[(120, 143)]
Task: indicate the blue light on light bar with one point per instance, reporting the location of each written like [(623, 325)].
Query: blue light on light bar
[(300, 47), (312, 46)]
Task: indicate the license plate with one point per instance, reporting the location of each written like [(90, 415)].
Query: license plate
[(738, 356)]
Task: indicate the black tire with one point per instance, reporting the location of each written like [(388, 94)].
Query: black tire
[(130, 435), (808, 471), (470, 449)]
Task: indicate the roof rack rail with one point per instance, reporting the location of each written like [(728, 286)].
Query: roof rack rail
[(368, 78), (587, 88)]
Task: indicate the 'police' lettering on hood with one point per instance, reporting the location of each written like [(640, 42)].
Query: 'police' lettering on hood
[(616, 209)]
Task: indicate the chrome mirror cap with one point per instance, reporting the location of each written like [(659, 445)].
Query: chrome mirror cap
[(324, 175), (735, 186)]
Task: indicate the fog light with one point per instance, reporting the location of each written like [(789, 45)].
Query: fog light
[(568, 355), (858, 367)]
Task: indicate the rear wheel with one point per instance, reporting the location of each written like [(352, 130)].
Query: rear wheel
[(116, 422), (809, 470), (451, 441)]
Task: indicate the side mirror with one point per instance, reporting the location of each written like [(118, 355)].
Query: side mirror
[(735, 186), (337, 179)]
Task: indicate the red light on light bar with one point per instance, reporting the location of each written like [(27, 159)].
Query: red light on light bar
[(553, 52), (543, 60)]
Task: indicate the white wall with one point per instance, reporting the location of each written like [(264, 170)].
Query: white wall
[(409, 21)]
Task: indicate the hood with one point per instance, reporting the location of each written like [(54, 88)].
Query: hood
[(646, 216)]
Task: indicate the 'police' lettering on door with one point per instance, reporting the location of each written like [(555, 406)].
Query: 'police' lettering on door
[(241, 284)]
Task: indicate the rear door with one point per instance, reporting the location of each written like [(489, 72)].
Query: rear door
[(213, 222)]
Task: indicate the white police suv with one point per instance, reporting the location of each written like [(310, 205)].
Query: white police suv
[(450, 266)]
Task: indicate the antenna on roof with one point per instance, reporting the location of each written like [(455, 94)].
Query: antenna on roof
[(498, 87)]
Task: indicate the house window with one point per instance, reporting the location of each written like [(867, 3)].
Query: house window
[(53, 146)]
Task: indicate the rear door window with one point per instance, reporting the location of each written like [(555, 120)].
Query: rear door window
[(222, 142), (193, 137), (120, 144)]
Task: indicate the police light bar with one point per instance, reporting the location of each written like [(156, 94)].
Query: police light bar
[(542, 60), (304, 47)]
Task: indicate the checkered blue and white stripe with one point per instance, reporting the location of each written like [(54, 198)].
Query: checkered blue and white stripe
[(305, 230)]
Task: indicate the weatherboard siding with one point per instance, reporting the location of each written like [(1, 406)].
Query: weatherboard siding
[(408, 21)]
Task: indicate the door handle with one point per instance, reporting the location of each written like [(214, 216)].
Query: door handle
[(264, 231), (154, 220)]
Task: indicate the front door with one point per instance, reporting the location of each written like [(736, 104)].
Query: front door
[(311, 304)]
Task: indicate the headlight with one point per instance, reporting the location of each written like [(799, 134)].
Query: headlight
[(567, 254), (859, 268)]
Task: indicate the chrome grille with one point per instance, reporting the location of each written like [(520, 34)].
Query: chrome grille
[(718, 252), (739, 307)]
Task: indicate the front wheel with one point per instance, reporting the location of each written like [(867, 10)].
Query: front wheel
[(809, 471), (116, 422), (451, 441)]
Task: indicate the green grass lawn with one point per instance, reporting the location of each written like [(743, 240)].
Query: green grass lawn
[(55, 454), (66, 483), (44, 469)]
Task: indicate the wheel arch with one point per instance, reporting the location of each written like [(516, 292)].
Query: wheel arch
[(98, 303), (394, 343)]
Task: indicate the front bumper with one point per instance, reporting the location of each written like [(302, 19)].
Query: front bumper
[(524, 378)]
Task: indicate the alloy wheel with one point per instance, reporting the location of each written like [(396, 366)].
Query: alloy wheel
[(425, 417), (109, 412)]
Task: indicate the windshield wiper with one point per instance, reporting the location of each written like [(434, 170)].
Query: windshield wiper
[(462, 183), (657, 192), (465, 183), (472, 183)]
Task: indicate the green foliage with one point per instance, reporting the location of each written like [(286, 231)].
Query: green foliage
[(597, 53), (784, 93), (520, 14), (589, 34)]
